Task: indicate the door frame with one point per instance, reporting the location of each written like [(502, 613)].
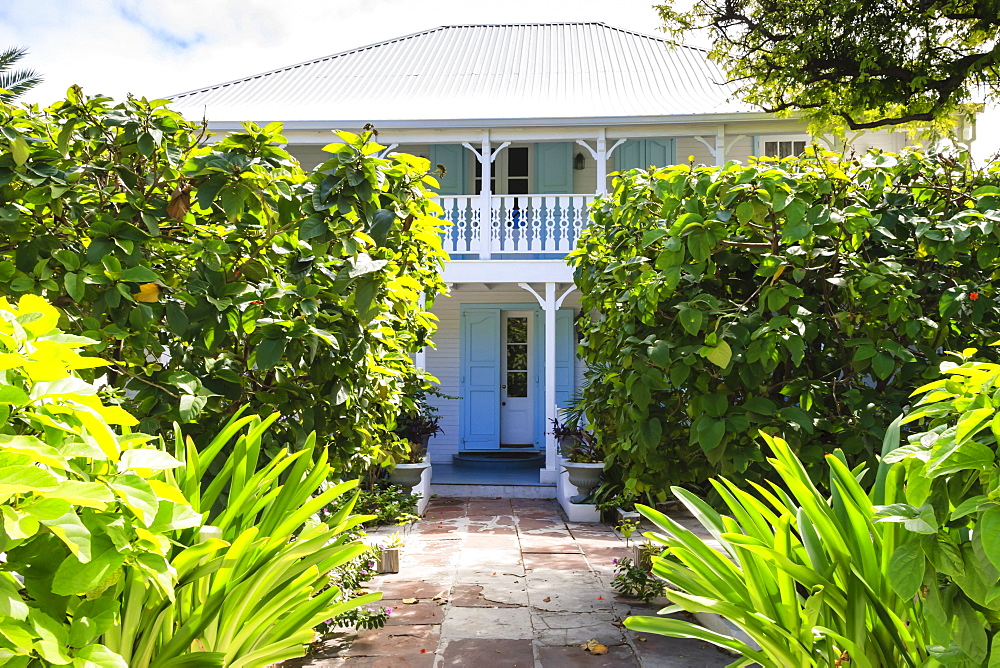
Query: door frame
[(538, 356)]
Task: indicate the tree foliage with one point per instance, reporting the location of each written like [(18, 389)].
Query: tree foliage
[(807, 297), (863, 64), (222, 275), (79, 499)]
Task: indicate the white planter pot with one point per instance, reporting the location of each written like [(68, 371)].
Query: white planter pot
[(585, 477), (408, 475)]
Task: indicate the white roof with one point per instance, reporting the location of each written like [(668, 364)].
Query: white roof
[(481, 72)]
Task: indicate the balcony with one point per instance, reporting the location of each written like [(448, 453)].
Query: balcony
[(519, 227)]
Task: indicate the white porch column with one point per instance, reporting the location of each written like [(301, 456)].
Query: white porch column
[(485, 214), (600, 156), (485, 157), (719, 148), (720, 145), (550, 304), (550, 375)]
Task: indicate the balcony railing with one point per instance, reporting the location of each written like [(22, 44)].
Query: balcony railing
[(518, 224)]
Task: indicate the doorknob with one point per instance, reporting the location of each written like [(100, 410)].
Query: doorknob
[(503, 387), (503, 403)]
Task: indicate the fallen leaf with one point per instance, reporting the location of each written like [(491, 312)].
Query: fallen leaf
[(546, 599), (641, 638), (442, 602), (148, 293), (411, 601), (594, 647), (437, 597)]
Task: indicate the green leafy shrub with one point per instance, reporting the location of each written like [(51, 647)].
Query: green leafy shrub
[(636, 580), (950, 509), (80, 503), (386, 504), (809, 578), (220, 275), (255, 580), (808, 297)]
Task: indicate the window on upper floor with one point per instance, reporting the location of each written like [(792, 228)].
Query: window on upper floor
[(781, 146)]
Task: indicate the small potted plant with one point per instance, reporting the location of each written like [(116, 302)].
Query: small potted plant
[(415, 426), (583, 459)]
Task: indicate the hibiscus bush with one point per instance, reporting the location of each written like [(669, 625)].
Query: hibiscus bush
[(219, 275), (807, 297)]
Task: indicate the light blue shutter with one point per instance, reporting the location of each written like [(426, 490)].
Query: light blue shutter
[(554, 168), (659, 152), (453, 157), (480, 403), (630, 155), (565, 357)]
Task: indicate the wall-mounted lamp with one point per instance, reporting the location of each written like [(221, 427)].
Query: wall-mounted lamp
[(579, 162)]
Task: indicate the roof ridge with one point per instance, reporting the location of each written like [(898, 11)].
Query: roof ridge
[(419, 33)]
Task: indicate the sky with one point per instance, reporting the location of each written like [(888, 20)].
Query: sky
[(155, 48)]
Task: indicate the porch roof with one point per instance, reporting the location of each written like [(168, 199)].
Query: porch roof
[(481, 72)]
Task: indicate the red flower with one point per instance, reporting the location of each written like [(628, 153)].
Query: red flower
[(973, 296)]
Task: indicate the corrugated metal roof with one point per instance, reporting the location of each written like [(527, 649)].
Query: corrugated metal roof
[(467, 72)]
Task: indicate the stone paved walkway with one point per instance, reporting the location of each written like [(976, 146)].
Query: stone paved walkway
[(505, 583)]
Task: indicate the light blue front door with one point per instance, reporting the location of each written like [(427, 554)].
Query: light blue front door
[(481, 379), (481, 365)]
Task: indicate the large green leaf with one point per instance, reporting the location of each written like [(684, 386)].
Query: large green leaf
[(710, 432), (147, 458), (24, 479), (137, 495), (75, 577), (906, 569), (691, 319), (989, 528), (269, 352), (720, 355)]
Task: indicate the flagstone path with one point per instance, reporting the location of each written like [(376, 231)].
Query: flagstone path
[(504, 583)]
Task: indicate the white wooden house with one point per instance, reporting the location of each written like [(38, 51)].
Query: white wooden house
[(529, 120)]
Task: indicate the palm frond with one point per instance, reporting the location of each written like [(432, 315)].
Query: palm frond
[(14, 83)]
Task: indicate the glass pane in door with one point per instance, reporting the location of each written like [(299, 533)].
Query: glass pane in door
[(516, 357)]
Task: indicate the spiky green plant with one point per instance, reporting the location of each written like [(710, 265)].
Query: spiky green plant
[(255, 580), (805, 576)]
